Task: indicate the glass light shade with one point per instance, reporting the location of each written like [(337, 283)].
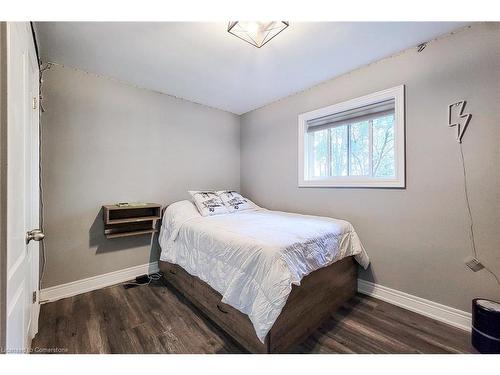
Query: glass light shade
[(256, 33)]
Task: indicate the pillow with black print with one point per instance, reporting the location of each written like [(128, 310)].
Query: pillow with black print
[(208, 203), (234, 201)]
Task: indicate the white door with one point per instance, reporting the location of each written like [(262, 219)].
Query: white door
[(22, 186)]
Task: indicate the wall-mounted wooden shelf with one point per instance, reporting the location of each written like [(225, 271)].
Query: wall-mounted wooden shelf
[(124, 221)]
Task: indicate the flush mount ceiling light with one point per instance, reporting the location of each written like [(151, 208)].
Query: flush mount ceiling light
[(256, 33)]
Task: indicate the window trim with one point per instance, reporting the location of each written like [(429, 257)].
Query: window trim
[(398, 94)]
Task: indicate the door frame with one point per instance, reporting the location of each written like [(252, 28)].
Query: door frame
[(3, 183), (34, 185)]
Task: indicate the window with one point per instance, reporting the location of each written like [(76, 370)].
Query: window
[(358, 143)]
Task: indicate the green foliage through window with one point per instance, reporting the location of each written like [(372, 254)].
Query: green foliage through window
[(362, 148)]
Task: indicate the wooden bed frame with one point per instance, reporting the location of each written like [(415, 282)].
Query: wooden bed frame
[(308, 306)]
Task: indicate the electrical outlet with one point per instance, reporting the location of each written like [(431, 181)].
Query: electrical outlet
[(474, 264)]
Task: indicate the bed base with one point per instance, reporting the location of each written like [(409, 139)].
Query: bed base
[(308, 306)]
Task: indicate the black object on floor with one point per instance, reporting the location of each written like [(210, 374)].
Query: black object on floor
[(486, 326), (143, 280)]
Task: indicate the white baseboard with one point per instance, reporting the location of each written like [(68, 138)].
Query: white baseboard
[(434, 310), (96, 282)]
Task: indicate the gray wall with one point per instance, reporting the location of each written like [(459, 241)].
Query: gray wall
[(106, 142), (417, 238)]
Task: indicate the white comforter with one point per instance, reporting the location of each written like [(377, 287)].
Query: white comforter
[(253, 257)]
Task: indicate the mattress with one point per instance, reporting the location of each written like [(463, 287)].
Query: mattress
[(253, 257)]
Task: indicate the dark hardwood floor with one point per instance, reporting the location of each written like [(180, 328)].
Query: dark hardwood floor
[(156, 319)]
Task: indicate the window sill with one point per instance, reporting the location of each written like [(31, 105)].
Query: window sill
[(353, 183)]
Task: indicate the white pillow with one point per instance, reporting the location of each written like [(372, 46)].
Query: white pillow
[(234, 201), (208, 203)]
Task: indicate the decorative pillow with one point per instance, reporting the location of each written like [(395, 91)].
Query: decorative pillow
[(208, 203), (234, 201)]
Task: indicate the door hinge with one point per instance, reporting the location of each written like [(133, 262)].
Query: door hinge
[(34, 296), (35, 102)]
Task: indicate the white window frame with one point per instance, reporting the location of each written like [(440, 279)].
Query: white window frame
[(399, 181)]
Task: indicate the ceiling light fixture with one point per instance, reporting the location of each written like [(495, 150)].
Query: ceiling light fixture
[(256, 33)]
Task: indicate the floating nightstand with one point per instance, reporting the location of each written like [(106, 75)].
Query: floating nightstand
[(130, 220)]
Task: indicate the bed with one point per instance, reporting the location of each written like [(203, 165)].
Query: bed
[(267, 278)]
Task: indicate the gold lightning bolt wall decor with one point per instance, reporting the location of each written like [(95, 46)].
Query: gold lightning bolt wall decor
[(457, 117)]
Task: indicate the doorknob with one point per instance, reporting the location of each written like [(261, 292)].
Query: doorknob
[(35, 234)]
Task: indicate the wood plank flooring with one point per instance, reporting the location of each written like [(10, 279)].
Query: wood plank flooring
[(157, 319)]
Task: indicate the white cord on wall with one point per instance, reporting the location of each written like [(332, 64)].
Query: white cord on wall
[(471, 221)]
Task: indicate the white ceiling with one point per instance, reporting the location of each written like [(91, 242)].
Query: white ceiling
[(201, 62)]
